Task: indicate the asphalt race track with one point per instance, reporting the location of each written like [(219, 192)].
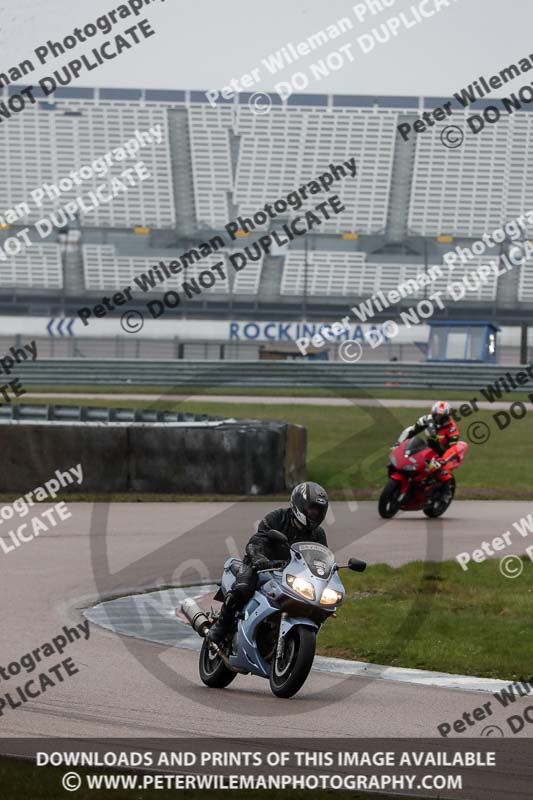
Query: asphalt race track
[(275, 400), (131, 687)]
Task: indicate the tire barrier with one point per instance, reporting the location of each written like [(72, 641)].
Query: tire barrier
[(196, 456)]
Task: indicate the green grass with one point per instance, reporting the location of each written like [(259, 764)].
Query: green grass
[(272, 391), (148, 497), (348, 447), (22, 780), (435, 616)]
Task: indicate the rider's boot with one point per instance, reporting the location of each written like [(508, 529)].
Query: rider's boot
[(220, 629)]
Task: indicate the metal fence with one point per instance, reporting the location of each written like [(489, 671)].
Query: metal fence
[(136, 347), (267, 374)]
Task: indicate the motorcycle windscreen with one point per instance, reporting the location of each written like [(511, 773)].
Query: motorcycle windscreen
[(415, 445), (318, 558)]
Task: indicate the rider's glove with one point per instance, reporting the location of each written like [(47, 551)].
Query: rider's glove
[(261, 562), (435, 464)]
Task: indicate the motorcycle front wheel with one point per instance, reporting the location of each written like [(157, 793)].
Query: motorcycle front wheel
[(290, 671), (388, 504), (213, 671), (436, 507)]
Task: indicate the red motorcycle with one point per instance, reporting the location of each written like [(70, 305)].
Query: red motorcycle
[(412, 484)]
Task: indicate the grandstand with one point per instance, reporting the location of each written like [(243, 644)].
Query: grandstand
[(104, 270), (36, 268), (409, 203)]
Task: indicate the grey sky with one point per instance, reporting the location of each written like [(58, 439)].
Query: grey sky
[(202, 44)]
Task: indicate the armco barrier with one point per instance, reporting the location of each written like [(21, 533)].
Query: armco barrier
[(203, 456), (171, 375)]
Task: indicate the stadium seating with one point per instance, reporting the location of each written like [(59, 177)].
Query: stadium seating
[(519, 194), (38, 267), (282, 150), (211, 163), (327, 273), (525, 286), (105, 270), (239, 160), (338, 273), (461, 191), (247, 280), (60, 142), (455, 274)]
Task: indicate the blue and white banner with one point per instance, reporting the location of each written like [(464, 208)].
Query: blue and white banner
[(196, 330)]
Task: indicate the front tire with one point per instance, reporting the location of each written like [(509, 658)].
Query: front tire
[(436, 508), (388, 504), (289, 674), (213, 672)]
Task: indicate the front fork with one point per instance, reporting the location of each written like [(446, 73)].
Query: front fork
[(281, 636)]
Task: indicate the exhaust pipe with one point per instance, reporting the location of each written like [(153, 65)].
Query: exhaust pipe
[(195, 615), (200, 623)]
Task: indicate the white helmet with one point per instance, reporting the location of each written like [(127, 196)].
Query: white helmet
[(440, 412)]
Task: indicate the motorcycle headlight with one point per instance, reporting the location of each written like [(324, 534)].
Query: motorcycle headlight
[(330, 597), (393, 461), (410, 468), (303, 587)]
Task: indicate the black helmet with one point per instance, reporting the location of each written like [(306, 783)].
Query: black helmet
[(309, 504)]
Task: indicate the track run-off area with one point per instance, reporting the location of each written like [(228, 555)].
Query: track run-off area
[(130, 686)]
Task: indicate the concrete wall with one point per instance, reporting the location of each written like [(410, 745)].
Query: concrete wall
[(235, 457)]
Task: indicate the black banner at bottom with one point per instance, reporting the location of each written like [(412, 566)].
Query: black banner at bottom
[(476, 769)]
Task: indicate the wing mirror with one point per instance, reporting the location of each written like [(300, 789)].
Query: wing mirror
[(356, 565)]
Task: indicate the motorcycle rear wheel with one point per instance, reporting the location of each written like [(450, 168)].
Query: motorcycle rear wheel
[(289, 673), (213, 672), (388, 504)]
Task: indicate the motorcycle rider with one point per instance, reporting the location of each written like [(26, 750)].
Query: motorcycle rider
[(442, 435), (301, 522)]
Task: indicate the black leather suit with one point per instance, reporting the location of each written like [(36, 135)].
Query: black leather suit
[(263, 546)]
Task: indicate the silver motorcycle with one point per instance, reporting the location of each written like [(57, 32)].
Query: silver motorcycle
[(275, 634)]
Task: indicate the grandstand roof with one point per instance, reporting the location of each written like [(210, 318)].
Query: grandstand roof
[(188, 96)]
